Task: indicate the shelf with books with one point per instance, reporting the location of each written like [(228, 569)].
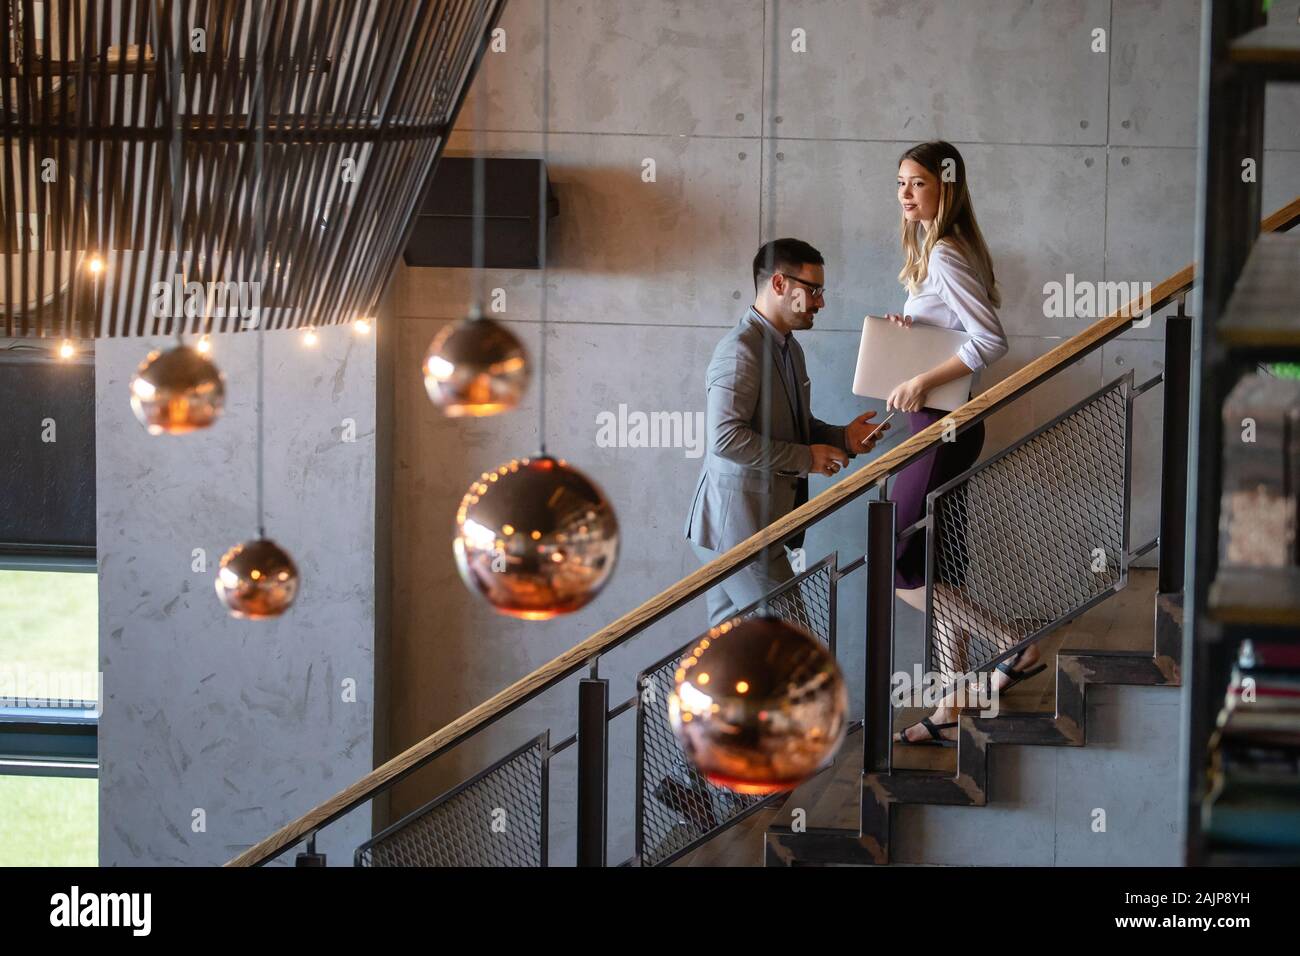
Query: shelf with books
[(1253, 799), (1257, 580), (1243, 536)]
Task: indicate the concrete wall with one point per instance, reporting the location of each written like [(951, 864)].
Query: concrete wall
[(1079, 162), (243, 719)]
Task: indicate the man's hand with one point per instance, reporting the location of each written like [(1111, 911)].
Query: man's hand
[(827, 459), (862, 433)]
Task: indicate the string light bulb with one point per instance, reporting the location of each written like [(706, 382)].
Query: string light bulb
[(67, 349), (309, 337), (95, 265), (362, 326)]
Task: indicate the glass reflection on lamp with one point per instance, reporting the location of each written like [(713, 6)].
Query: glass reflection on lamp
[(758, 705), (257, 580), (535, 538), (177, 391), (476, 367)]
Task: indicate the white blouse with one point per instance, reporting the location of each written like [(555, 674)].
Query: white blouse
[(953, 297)]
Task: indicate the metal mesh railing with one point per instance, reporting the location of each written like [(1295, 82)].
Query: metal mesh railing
[(676, 807), (496, 818), (1030, 537)]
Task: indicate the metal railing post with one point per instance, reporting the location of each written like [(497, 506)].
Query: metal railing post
[(593, 770), (309, 856), (876, 748), (1173, 470)]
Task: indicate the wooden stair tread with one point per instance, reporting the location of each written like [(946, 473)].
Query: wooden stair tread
[(920, 756), (1103, 654), (924, 757)]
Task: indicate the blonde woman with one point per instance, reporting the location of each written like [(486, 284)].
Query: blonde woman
[(949, 276)]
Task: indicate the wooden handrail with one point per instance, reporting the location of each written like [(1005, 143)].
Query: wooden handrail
[(710, 574)]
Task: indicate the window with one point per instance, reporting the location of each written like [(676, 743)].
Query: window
[(49, 689), (49, 613), (49, 821), (48, 635)]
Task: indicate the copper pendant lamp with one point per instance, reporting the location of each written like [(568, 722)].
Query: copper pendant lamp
[(476, 367), (536, 537), (759, 705), (177, 391), (257, 580)]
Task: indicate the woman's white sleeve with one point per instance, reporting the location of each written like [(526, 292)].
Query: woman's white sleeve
[(963, 292)]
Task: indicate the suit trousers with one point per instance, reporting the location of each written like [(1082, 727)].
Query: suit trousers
[(748, 585)]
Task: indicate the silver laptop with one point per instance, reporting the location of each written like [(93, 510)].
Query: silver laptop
[(891, 354)]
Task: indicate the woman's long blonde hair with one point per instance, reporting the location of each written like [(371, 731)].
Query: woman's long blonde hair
[(955, 220)]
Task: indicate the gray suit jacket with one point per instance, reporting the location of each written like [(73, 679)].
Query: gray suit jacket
[(742, 470)]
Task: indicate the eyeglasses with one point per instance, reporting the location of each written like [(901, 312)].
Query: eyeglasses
[(813, 290)]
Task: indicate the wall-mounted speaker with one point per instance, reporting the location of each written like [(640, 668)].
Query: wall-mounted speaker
[(444, 227)]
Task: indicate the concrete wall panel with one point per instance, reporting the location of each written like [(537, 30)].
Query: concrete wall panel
[(1125, 770), (1155, 65), (242, 719), (886, 69), (673, 67)]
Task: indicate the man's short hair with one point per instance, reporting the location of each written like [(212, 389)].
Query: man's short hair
[(784, 255)]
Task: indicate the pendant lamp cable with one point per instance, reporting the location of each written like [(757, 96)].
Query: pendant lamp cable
[(770, 268), (480, 200), (178, 171), (259, 224), (541, 217)]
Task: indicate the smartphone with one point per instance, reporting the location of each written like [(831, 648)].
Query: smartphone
[(881, 425)]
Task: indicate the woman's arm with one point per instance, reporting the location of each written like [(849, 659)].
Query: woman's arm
[(962, 290)]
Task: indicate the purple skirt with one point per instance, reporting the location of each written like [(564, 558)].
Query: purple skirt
[(911, 486)]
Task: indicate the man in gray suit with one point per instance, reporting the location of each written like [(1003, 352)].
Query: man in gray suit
[(762, 440)]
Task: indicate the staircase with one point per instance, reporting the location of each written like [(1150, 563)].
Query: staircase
[(1030, 518), (966, 782), (1053, 508), (930, 834)]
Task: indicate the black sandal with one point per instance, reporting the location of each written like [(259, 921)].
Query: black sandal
[(1014, 676), (936, 738)]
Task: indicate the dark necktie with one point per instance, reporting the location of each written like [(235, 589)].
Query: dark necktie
[(792, 386)]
